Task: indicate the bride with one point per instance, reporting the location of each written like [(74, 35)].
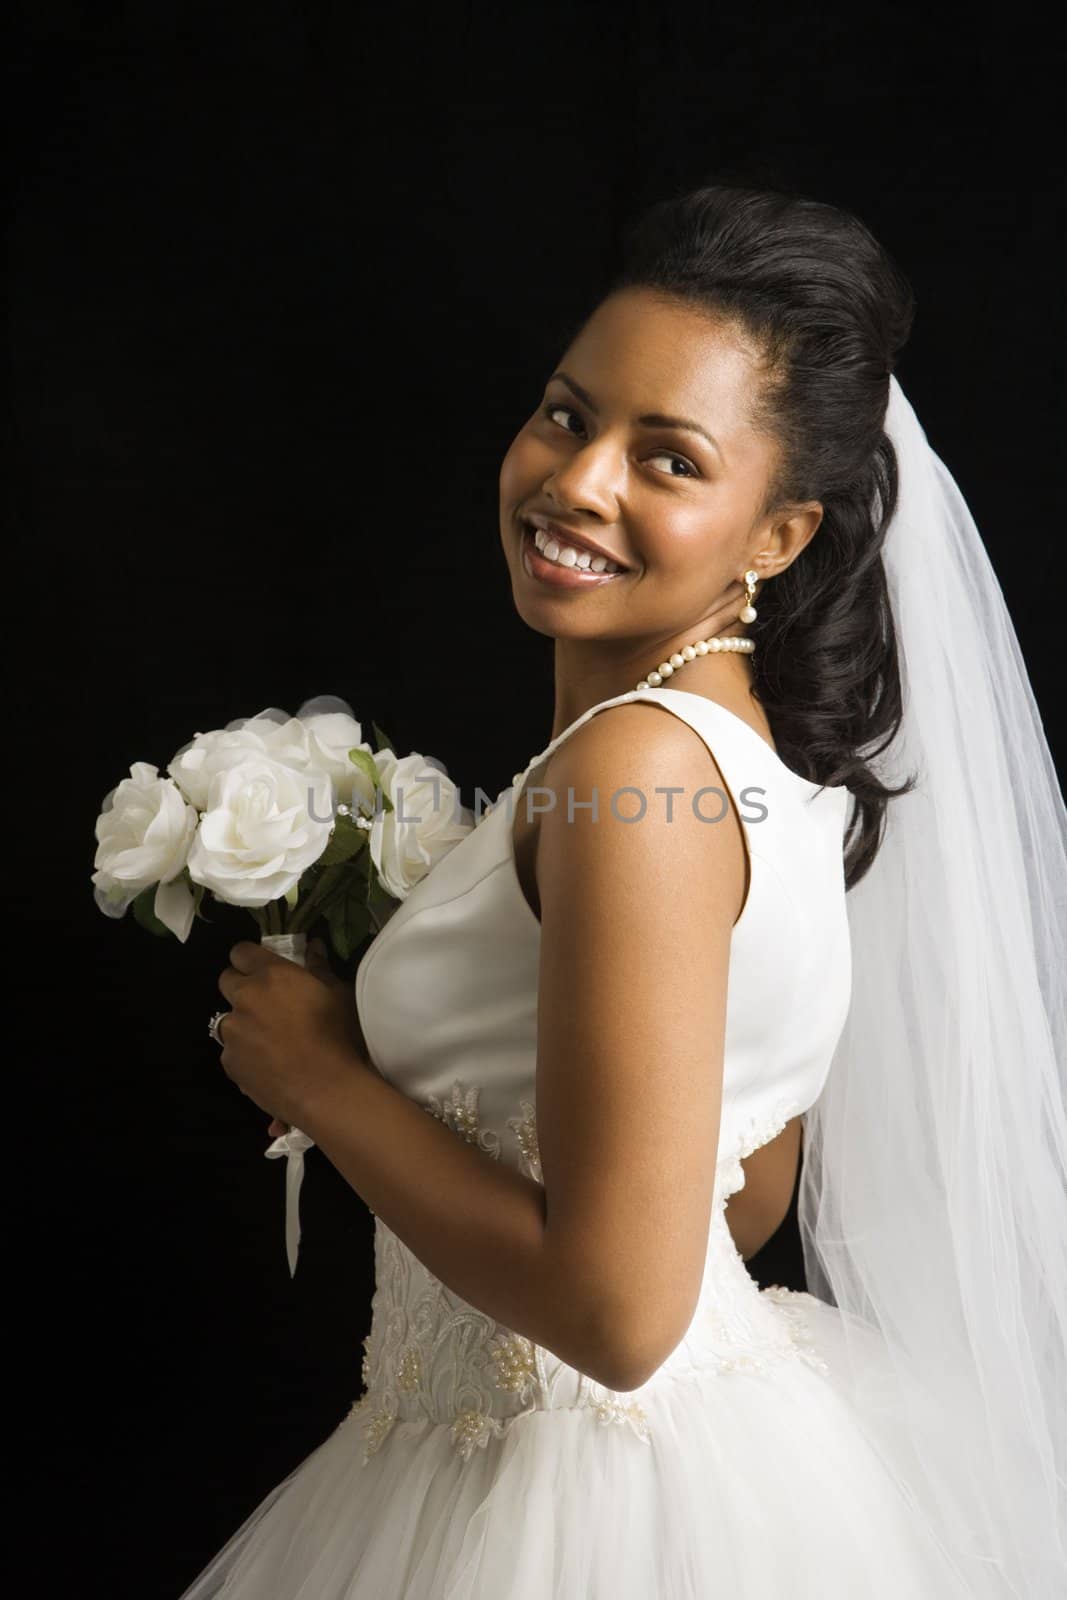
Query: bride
[(583, 1051)]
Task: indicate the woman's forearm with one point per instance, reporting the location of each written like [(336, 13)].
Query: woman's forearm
[(476, 1223)]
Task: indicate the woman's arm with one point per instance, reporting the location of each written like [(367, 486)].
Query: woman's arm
[(476, 1223), (636, 931), (603, 1264)]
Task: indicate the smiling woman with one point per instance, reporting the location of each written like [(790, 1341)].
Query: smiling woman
[(599, 1029)]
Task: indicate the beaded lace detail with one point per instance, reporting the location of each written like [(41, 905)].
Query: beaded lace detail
[(460, 1112), (430, 1358), (525, 1131)]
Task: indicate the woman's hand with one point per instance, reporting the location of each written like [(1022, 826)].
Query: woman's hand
[(293, 1032)]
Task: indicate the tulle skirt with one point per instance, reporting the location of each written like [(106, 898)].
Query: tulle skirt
[(748, 1486)]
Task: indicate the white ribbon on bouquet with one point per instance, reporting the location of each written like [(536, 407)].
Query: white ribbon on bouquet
[(293, 946)]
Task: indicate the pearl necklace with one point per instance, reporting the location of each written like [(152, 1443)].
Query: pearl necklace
[(689, 652)]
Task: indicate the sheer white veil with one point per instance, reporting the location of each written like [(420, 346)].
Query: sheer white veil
[(933, 1193)]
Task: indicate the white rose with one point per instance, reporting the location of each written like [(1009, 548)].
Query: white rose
[(143, 833), (424, 826), (265, 824), (331, 735), (198, 763)]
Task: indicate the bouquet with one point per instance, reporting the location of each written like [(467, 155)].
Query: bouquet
[(294, 818)]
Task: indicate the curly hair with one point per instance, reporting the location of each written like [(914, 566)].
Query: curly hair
[(827, 310)]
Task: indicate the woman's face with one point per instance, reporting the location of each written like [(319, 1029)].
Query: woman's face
[(676, 510)]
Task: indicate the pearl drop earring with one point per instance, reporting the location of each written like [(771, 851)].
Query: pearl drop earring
[(749, 613)]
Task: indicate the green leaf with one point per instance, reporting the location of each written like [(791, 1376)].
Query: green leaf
[(366, 764), (382, 740), (380, 903), (146, 916), (348, 920), (344, 842)]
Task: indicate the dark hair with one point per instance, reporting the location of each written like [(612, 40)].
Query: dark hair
[(828, 310)]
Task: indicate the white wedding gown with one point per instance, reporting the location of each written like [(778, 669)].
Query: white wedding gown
[(477, 1465)]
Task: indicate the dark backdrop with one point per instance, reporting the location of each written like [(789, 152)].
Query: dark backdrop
[(286, 282)]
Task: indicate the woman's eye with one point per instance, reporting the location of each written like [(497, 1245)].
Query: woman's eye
[(551, 409), (554, 406)]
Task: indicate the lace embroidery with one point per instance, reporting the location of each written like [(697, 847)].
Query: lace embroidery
[(516, 1366), (432, 1358), (752, 1136), (472, 1430), (429, 1356), (629, 1412), (789, 1302), (376, 1425), (409, 1370), (525, 1131), (754, 1334), (460, 1113)]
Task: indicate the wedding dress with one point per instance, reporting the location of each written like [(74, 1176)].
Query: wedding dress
[(477, 1465)]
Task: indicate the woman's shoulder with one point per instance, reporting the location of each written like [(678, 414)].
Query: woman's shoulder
[(634, 744), (641, 736), (620, 805)]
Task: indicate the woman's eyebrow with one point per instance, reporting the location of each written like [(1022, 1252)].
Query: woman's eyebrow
[(651, 419)]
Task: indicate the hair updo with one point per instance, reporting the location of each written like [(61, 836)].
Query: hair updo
[(828, 310)]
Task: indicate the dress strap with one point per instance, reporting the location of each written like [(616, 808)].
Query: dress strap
[(704, 716), (720, 729), (601, 705)]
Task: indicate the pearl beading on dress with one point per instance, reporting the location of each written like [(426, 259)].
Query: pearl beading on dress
[(432, 1359)]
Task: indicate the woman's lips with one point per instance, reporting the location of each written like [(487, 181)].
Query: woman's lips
[(551, 573)]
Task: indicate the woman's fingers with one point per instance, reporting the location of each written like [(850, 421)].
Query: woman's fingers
[(277, 1128)]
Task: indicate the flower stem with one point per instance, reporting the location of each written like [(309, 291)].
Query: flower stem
[(309, 908)]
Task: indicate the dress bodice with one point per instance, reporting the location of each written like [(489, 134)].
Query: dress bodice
[(447, 1000)]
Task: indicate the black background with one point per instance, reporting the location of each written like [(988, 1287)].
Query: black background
[(286, 283)]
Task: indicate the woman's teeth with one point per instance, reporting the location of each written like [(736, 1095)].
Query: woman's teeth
[(566, 555)]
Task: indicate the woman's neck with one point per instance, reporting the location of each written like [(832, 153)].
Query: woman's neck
[(584, 679)]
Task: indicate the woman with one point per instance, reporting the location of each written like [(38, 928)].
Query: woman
[(619, 1016)]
